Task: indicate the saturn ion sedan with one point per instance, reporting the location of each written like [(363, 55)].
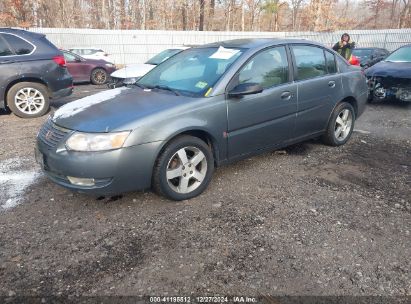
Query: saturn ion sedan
[(202, 108)]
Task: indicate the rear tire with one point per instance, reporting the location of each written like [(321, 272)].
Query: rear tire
[(340, 126), (28, 99), (99, 76), (184, 169)]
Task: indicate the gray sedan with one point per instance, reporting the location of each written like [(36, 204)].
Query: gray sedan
[(204, 107)]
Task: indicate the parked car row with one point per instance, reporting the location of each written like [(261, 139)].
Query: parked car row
[(187, 110)]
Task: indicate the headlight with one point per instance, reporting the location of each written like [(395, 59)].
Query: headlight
[(96, 141), (110, 65), (131, 80)]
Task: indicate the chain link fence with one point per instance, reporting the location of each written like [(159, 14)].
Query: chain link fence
[(136, 46)]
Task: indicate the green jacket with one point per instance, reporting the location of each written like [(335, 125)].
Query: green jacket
[(344, 50)]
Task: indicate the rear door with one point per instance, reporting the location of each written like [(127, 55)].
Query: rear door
[(9, 66), (265, 119), (77, 68), (319, 87)]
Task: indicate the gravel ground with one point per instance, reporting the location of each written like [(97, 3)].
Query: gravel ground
[(307, 220)]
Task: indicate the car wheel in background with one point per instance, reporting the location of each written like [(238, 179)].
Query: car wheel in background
[(99, 76), (341, 125), (28, 99), (184, 168)]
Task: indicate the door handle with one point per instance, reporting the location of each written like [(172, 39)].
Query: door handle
[(286, 95), (331, 84)]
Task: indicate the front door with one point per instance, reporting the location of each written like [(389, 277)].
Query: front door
[(264, 119)]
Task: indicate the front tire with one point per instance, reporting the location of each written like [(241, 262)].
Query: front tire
[(184, 169), (28, 99), (341, 125), (99, 76)]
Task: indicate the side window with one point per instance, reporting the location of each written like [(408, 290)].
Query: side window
[(268, 68), (69, 57), (4, 48), (342, 64), (20, 46), (310, 61), (331, 66)]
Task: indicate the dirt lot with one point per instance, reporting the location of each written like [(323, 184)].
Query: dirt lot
[(310, 220)]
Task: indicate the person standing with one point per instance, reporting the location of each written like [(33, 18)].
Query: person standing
[(345, 46)]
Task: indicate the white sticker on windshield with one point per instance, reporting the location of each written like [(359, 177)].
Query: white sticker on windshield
[(223, 53)]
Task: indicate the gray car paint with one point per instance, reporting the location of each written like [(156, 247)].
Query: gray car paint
[(237, 127), (35, 67)]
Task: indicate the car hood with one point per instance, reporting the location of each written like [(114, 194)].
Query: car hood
[(390, 69), (111, 110), (133, 70)]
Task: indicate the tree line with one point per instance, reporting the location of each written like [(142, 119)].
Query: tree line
[(210, 15)]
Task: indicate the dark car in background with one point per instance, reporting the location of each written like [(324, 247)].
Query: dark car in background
[(391, 78), (206, 106), (32, 70), (96, 71), (370, 56)]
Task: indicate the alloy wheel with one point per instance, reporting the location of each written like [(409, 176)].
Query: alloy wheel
[(29, 101), (186, 170), (343, 124)]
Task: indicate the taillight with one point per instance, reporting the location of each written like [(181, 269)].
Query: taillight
[(60, 60)]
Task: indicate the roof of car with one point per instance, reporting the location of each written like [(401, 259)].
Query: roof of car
[(19, 31), (257, 42)]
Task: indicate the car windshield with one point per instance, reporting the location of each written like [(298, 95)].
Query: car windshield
[(163, 56), (362, 53), (193, 72), (401, 55)]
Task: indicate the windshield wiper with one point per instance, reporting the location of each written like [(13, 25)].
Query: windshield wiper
[(164, 87)]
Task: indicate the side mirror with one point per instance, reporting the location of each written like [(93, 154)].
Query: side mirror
[(77, 60), (245, 89)]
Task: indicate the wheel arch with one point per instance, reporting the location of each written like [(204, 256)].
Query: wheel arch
[(351, 100), (200, 133), (25, 79)]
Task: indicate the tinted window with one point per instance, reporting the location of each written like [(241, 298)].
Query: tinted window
[(403, 54), (268, 68), (331, 66), (20, 46), (310, 61), (69, 57), (4, 48)]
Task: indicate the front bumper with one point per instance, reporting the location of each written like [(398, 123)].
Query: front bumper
[(115, 172), (382, 88), (115, 83)]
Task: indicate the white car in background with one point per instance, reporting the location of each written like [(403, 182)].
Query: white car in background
[(92, 53), (131, 73)]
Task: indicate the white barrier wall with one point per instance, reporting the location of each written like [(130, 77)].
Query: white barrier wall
[(135, 46)]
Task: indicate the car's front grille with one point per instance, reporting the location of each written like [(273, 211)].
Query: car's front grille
[(51, 134)]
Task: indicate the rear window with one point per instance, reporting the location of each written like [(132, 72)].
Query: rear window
[(20, 46), (4, 48)]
